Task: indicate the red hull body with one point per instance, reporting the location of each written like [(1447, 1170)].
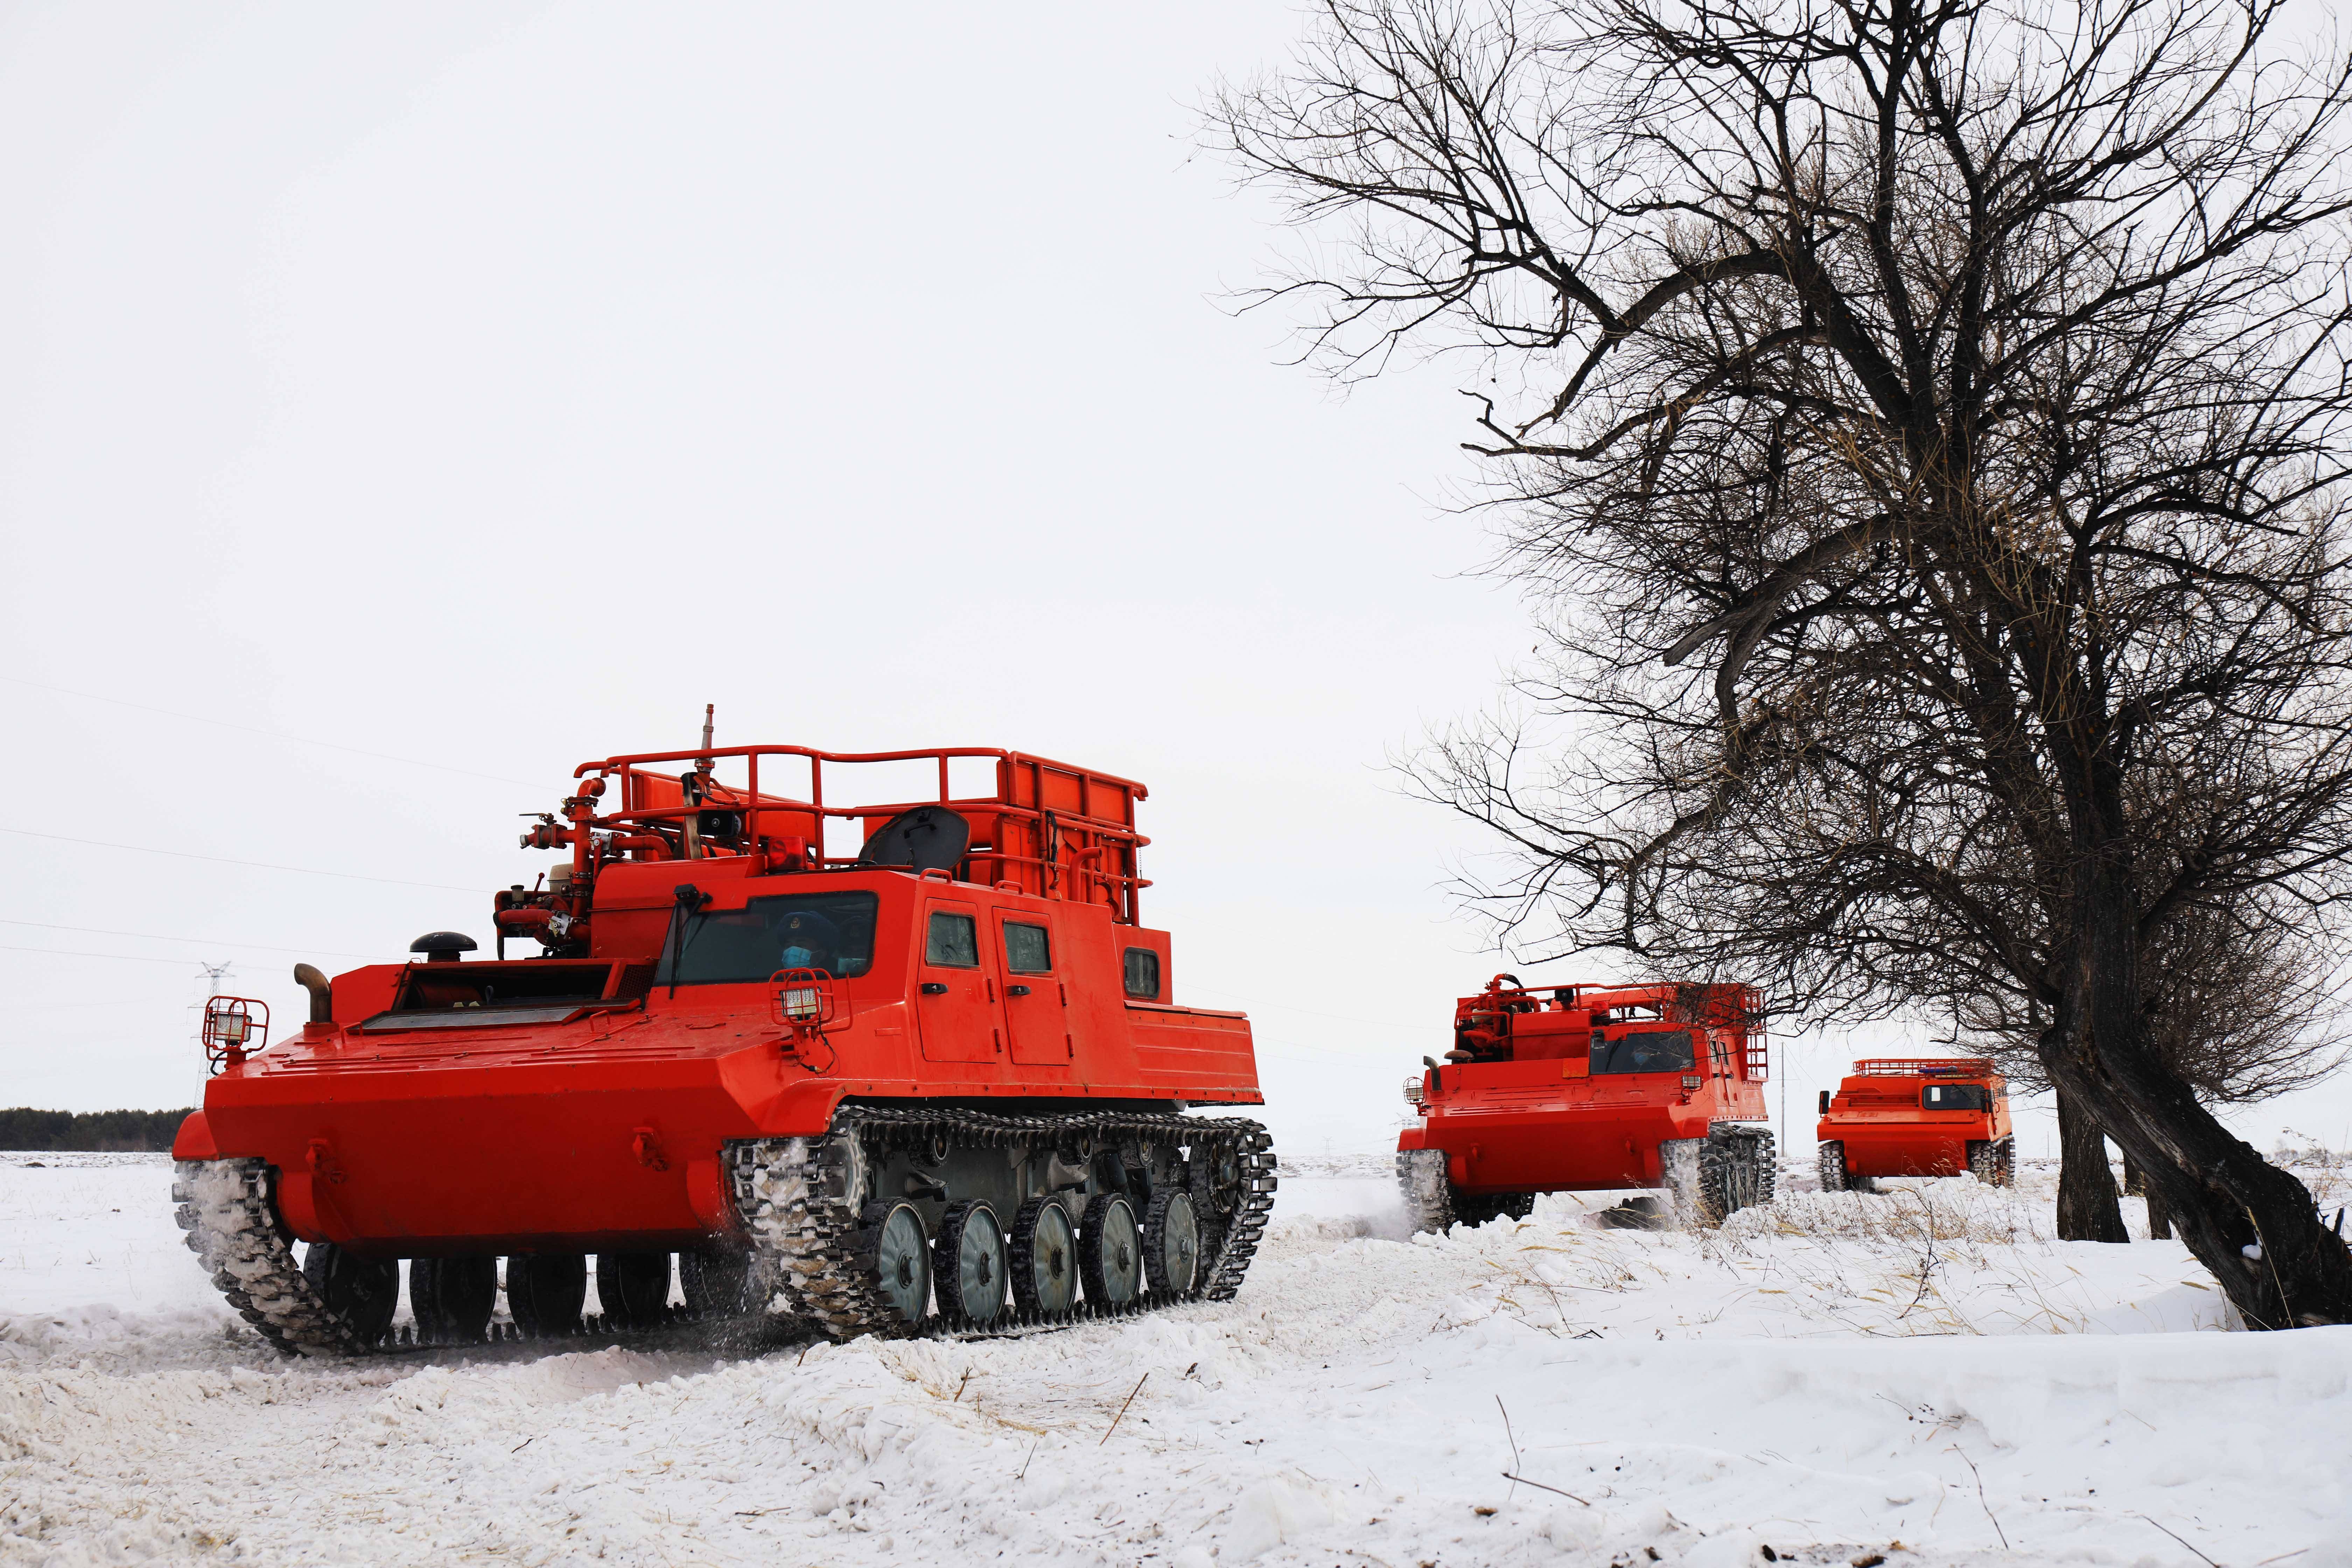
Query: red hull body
[(1540, 1120), (413, 1124)]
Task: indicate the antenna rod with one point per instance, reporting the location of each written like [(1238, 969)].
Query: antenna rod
[(708, 711)]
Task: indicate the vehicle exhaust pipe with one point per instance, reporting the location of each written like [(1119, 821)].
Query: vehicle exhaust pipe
[(322, 990)]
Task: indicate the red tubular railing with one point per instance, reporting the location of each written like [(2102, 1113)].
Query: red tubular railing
[(1923, 1066), (1085, 831)]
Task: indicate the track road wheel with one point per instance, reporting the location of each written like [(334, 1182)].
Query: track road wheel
[(1045, 1261), (1214, 1176), (364, 1290), (453, 1298), (968, 1264), (716, 1280), (897, 1253), (1832, 1158), (633, 1288), (1428, 1195), (1171, 1244), (1110, 1252), (545, 1291)]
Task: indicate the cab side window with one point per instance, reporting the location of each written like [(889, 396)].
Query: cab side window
[(1956, 1097), (1142, 973), (1028, 949), (952, 942)]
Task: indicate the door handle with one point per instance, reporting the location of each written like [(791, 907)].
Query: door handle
[(933, 988), (1016, 990)]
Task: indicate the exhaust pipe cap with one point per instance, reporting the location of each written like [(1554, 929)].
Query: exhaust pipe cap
[(443, 946)]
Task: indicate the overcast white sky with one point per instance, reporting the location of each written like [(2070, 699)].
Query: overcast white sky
[(490, 387)]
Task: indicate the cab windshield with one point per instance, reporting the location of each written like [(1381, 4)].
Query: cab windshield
[(832, 931)]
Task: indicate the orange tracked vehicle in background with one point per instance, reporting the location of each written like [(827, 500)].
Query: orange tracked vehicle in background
[(937, 1076), (1569, 1088), (1916, 1117)]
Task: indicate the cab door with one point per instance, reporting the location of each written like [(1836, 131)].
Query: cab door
[(1037, 1006), (957, 1007)]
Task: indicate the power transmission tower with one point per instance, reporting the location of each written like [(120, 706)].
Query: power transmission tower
[(215, 978)]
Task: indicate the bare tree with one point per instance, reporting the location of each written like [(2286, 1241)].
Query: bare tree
[(1924, 424)]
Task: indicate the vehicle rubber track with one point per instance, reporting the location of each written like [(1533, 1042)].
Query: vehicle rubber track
[(232, 1224), (803, 1202), (1993, 1161), (790, 1194), (1426, 1191), (231, 1221), (1738, 1168)]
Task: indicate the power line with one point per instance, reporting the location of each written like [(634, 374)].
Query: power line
[(225, 860), (199, 941), (83, 1006), (124, 957), (273, 734)]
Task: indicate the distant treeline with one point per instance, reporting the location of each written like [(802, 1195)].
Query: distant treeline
[(127, 1132)]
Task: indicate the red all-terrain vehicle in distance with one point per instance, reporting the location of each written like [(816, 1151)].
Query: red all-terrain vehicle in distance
[(866, 1090), (1916, 1117), (1574, 1088)]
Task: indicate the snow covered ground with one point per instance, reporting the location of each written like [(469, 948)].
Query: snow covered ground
[(1920, 1376)]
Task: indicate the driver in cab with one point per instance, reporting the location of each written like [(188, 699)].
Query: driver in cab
[(808, 941)]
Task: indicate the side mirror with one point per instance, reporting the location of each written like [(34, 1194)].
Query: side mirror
[(1825, 1102)]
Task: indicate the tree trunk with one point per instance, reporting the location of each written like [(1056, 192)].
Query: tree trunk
[(2159, 1223), (2087, 1207), (2253, 1226)]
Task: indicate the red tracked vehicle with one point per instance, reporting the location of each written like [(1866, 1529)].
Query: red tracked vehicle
[(869, 1090), (1916, 1117), (1574, 1088)]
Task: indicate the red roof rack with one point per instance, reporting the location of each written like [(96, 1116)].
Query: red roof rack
[(1056, 829), (1923, 1066)]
